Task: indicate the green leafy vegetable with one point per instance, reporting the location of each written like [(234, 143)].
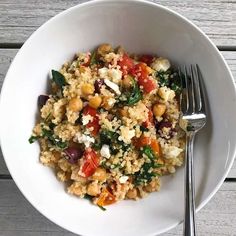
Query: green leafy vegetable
[(93, 59), (111, 138), (148, 152), (54, 140), (176, 83), (33, 138), (163, 78), (59, 79), (146, 173), (135, 94), (143, 129)]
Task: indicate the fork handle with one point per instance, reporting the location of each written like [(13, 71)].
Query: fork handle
[(189, 221)]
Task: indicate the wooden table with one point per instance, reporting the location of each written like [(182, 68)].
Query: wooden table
[(19, 18)]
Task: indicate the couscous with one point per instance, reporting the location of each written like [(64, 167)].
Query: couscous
[(109, 127)]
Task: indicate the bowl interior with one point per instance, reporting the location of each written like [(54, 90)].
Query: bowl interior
[(139, 27)]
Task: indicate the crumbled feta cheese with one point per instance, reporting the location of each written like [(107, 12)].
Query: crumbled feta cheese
[(113, 86), (85, 139), (115, 75), (86, 119), (171, 151), (123, 179), (103, 73), (161, 64), (166, 94), (105, 151), (126, 134), (112, 74)]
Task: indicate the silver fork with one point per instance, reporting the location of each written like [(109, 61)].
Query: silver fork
[(192, 119)]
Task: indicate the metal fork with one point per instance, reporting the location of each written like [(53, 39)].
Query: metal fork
[(192, 119)]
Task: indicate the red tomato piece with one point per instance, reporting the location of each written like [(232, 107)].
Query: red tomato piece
[(126, 64), (90, 162), (95, 122), (141, 72), (150, 120), (148, 59)]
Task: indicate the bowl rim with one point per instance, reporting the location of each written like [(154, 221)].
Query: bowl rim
[(99, 2)]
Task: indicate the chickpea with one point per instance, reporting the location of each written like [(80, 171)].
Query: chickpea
[(159, 109), (104, 49), (75, 104), (152, 186), (123, 112), (95, 101), (108, 102), (100, 174), (132, 193), (87, 89), (127, 81), (93, 189)]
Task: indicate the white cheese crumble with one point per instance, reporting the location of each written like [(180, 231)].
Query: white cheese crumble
[(86, 119), (110, 74), (172, 151), (103, 73), (113, 86), (105, 151), (115, 75), (85, 139), (123, 179), (161, 64), (166, 94)]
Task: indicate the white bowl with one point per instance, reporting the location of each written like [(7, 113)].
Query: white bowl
[(140, 27)]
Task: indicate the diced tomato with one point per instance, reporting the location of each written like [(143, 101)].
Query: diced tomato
[(148, 59), (141, 72), (106, 198), (150, 120), (126, 64), (142, 141), (90, 162), (95, 122), (146, 141)]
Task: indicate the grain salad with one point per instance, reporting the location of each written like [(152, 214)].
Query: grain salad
[(109, 127)]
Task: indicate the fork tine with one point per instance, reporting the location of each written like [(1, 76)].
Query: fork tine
[(202, 107), (192, 91), (184, 101), (197, 95)]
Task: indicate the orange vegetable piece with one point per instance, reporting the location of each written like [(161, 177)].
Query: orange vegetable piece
[(106, 198)]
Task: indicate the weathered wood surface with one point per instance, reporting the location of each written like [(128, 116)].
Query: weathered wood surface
[(19, 18), (19, 218)]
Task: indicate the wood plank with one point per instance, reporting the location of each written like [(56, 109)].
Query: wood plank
[(6, 56), (20, 18), (18, 217)]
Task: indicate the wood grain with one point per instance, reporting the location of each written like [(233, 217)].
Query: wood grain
[(6, 56), (18, 217), (18, 19)]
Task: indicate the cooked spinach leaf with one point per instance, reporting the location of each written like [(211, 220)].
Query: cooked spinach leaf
[(56, 141), (146, 173), (33, 138), (59, 79), (135, 94), (93, 59)]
